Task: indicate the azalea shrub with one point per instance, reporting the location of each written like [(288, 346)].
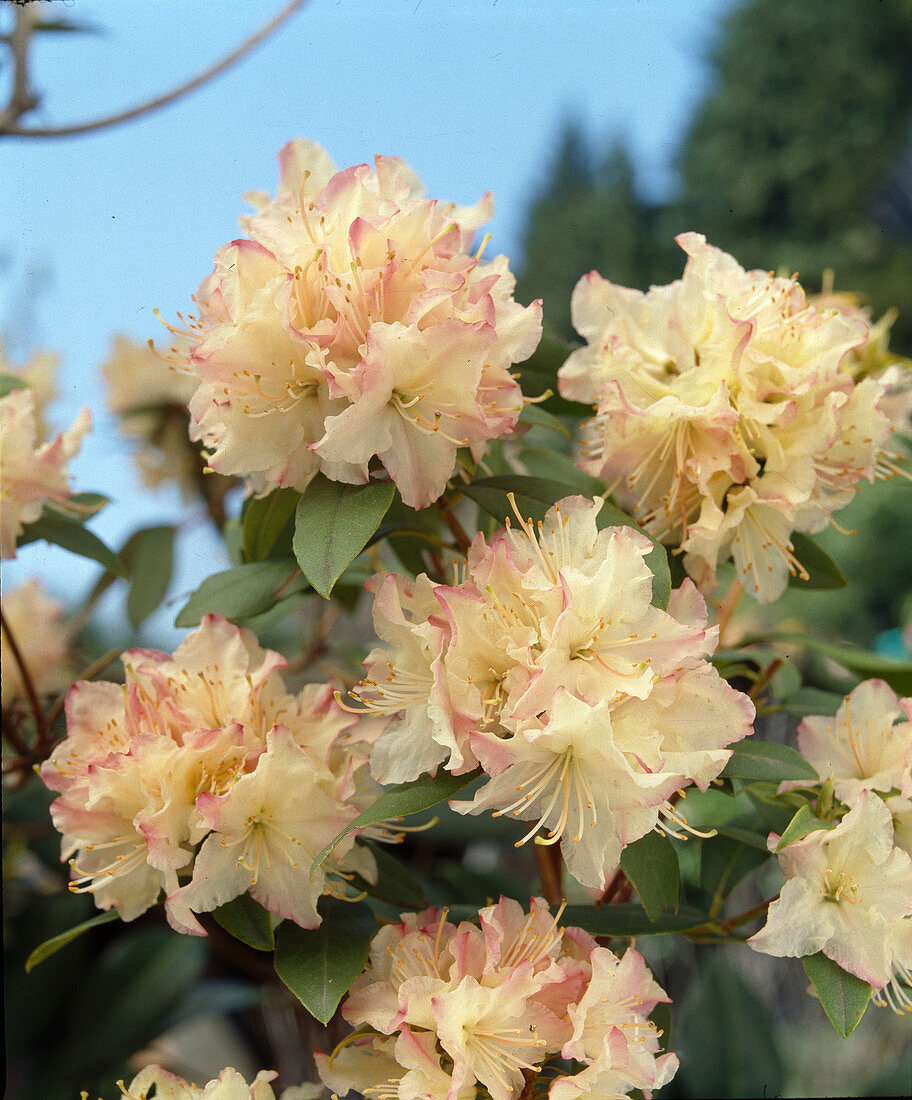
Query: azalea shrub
[(560, 549)]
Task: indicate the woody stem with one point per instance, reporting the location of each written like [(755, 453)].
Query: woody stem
[(27, 682), (550, 870)]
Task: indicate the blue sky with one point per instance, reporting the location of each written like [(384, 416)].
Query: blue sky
[(99, 230)]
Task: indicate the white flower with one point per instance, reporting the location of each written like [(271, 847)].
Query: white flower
[(229, 1085), (355, 327), (204, 778), (726, 418), (31, 473), (846, 894), (149, 395), (549, 666), (863, 747), (42, 639)]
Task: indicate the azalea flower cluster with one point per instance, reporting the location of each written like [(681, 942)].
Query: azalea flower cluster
[(727, 414), (202, 766), (153, 1081), (442, 1009), (549, 666), (149, 398), (874, 358), (354, 327), (32, 472), (848, 890)]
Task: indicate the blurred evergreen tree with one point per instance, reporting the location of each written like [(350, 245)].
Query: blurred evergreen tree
[(588, 216), (801, 155)]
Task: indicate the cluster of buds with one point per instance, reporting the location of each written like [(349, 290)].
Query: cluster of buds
[(204, 778), (848, 889), (549, 666), (354, 325), (725, 418), (442, 1009)]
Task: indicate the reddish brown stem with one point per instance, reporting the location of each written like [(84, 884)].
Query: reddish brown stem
[(550, 870), (731, 923), (457, 530), (27, 682)]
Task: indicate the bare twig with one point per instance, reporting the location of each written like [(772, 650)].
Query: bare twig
[(463, 542), (22, 98), (40, 721), (9, 120), (550, 870)]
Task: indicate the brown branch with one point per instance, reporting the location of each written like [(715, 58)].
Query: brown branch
[(548, 859), (463, 542), (12, 128), (22, 98), (27, 682)]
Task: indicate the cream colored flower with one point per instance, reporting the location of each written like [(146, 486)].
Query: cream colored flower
[(549, 666), (726, 417), (204, 778), (848, 892), (443, 1010), (229, 1085), (39, 373), (149, 395), (31, 472), (863, 747), (42, 639), (354, 327)]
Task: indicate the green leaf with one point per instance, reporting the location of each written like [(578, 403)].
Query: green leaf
[(724, 862), (724, 1034), (67, 26), (808, 700), (242, 592), (71, 535), (629, 920), (280, 610), (554, 466), (10, 382), (535, 495), (149, 557), (748, 837), (319, 966), (136, 984), (898, 674), (822, 571), (395, 882), (843, 996), (752, 759), (541, 418), (651, 864), (266, 521), (49, 947), (804, 822), (333, 523), (400, 801), (247, 921)]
